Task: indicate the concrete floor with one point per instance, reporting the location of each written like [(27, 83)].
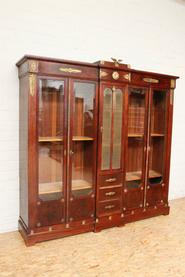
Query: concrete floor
[(150, 248)]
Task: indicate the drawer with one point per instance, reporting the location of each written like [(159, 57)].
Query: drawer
[(67, 70), (110, 193), (109, 207), (146, 80), (110, 179)]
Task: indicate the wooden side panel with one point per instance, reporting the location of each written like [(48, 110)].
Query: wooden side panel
[(23, 148)]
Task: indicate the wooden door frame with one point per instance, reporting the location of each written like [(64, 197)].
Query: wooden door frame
[(34, 200), (123, 87)]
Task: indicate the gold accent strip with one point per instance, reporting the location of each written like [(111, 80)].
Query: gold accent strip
[(171, 96), (172, 83), (103, 74), (32, 84), (68, 157), (70, 70), (147, 151), (150, 80)]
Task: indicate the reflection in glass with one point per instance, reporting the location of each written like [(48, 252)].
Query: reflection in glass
[(157, 138), (135, 141), (117, 123), (112, 128), (106, 128), (83, 137), (50, 140)]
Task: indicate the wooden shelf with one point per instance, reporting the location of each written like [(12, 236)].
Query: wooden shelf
[(50, 139), (135, 135), (157, 135), (133, 175), (136, 175), (154, 174), (48, 188), (82, 138), (141, 135), (80, 184), (55, 139), (55, 187)]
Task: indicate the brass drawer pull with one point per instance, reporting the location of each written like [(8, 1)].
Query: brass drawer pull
[(110, 180), (110, 193), (108, 207)]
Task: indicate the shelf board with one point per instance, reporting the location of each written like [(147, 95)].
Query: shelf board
[(137, 175), (133, 175), (48, 188), (82, 138), (55, 139), (157, 135), (50, 139), (80, 184), (132, 135), (55, 187), (154, 174)]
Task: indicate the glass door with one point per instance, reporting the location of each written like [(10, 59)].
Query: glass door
[(157, 141), (82, 152), (51, 139), (135, 148), (112, 123)]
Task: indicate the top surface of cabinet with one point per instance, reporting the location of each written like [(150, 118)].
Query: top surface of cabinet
[(97, 65)]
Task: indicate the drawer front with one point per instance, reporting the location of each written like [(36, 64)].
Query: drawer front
[(68, 70), (109, 207), (110, 179), (110, 193), (147, 80)]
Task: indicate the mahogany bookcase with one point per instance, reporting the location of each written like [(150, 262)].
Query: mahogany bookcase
[(95, 142)]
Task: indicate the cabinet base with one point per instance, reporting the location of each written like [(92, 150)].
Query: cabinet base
[(119, 220), (104, 222), (34, 237)]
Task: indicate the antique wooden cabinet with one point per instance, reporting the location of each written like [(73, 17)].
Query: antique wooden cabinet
[(95, 143)]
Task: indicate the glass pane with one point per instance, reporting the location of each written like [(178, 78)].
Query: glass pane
[(106, 129), (117, 128), (135, 141), (83, 137), (157, 137), (50, 140)]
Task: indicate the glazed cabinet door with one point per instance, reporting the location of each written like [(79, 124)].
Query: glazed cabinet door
[(82, 134), (111, 122), (157, 147), (134, 184), (51, 145)]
